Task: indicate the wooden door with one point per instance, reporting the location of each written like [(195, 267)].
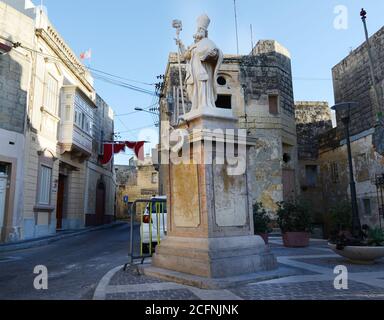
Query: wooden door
[(3, 193), (100, 203), (60, 203), (289, 185)]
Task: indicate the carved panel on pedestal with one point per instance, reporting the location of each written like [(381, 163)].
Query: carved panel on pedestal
[(230, 198), (185, 196)]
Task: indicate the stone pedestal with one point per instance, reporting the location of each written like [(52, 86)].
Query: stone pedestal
[(210, 221)]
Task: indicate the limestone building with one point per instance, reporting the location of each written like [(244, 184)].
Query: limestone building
[(352, 82), (258, 88), (138, 180), (52, 125), (313, 119), (324, 171)]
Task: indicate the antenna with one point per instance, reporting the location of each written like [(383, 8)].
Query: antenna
[(237, 34), (252, 40)]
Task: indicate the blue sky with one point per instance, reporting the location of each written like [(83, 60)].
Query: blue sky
[(133, 39)]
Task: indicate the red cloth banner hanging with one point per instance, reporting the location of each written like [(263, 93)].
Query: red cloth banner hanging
[(138, 147), (111, 149)]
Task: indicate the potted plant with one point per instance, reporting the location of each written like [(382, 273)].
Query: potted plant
[(295, 223), (261, 222), (365, 249), (340, 219)]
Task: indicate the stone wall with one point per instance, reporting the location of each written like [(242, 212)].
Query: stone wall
[(335, 177), (352, 82), (312, 120), (136, 183), (15, 74), (15, 69), (266, 71)]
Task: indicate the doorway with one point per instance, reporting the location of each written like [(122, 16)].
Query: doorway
[(289, 185), (100, 203), (60, 202), (3, 194)]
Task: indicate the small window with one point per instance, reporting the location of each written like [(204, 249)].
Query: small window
[(155, 178), (273, 104), (224, 101), (45, 185), (51, 94), (221, 81), (311, 176), (335, 172), (3, 169), (67, 113), (83, 121), (367, 207)]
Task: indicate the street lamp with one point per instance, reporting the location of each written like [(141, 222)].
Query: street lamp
[(345, 108), (143, 110)]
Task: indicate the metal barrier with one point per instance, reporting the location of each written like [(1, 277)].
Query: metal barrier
[(156, 210)]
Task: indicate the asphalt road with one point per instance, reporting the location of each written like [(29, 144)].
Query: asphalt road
[(75, 266)]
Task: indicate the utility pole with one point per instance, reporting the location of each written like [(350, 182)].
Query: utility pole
[(377, 138), (252, 46), (342, 107), (236, 27), (378, 112)]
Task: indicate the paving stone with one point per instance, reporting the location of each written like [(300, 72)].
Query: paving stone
[(333, 262), (179, 294), (297, 288), (131, 276), (320, 290)]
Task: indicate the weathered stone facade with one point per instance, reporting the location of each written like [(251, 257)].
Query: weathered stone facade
[(139, 180), (50, 154), (335, 177), (15, 74), (258, 88), (101, 184), (313, 118), (352, 82)]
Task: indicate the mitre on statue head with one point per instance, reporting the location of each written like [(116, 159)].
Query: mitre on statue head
[(203, 22)]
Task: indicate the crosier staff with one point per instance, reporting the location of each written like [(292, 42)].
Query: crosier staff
[(178, 25)]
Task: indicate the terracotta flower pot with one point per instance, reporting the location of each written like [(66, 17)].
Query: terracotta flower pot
[(265, 237), (296, 239)]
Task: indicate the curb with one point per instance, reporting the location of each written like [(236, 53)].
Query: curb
[(32, 243), (101, 292)]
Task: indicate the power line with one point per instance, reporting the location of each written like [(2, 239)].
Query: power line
[(124, 85), (236, 27), (134, 112), (92, 70), (133, 130), (121, 78)]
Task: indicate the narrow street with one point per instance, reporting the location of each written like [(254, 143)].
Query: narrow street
[(75, 266), (244, 145)]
